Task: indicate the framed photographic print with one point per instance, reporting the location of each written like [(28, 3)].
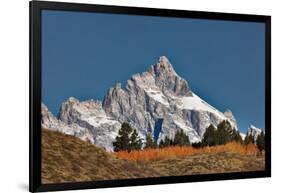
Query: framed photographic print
[(125, 96)]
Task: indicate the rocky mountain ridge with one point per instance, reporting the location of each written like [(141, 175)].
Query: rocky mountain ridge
[(254, 131), (157, 101)]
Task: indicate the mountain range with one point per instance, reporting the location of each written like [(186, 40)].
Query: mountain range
[(157, 101)]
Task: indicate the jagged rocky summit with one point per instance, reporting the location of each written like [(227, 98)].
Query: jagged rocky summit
[(158, 101), (48, 121), (254, 131)]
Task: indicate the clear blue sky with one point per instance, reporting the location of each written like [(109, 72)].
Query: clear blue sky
[(84, 54)]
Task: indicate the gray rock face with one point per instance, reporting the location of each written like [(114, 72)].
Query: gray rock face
[(48, 121), (254, 131), (90, 115), (228, 114), (167, 80), (157, 101), (160, 94)]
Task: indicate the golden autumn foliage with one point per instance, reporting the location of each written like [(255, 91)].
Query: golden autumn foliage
[(177, 151)]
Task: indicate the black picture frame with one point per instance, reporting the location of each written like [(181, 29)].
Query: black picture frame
[(36, 8)]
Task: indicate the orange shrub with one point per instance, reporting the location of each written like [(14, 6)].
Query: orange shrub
[(176, 151)]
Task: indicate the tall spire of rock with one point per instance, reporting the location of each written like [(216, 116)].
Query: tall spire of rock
[(164, 66), (168, 80)]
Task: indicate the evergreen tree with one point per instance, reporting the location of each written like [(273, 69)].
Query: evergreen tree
[(181, 139), (261, 141), (166, 142), (197, 144), (150, 143), (135, 141), (210, 136), (235, 136), (127, 139), (249, 139), (224, 133), (123, 139), (161, 143)]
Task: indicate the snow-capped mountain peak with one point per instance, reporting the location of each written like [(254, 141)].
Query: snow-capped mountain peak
[(49, 121), (254, 131), (158, 101)]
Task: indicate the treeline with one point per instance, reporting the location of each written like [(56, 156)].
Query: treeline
[(128, 138), (224, 133)]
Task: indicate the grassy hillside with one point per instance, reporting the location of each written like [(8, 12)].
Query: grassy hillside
[(175, 160), (208, 163), (69, 159)]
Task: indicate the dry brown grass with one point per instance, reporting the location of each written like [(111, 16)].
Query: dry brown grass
[(177, 152), (68, 159), (225, 162)]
